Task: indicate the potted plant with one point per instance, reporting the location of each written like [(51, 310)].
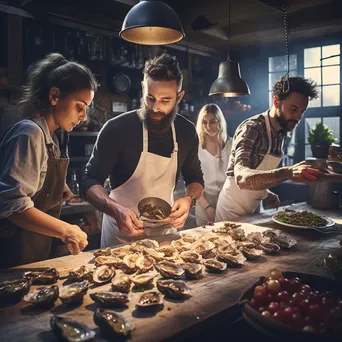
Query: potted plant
[(320, 139)]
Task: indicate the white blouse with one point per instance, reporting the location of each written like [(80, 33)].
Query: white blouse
[(214, 170)]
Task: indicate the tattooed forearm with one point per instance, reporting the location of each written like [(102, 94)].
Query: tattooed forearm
[(248, 179)]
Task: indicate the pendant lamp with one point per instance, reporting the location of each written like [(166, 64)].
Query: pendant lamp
[(152, 22), (229, 82)]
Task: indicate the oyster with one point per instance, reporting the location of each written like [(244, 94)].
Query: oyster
[(102, 252), (121, 251), (121, 283), (103, 274), (223, 241), (48, 276), (143, 279), (148, 243), (156, 255), (175, 289), (238, 234), (110, 299), (12, 291), (226, 249), (112, 323), (167, 251), (251, 253), (202, 248), (107, 260), (42, 297), (209, 237), (169, 269), (150, 299), (74, 292), (144, 263), (215, 266), (271, 233), (81, 273), (210, 254), (269, 247), (245, 244), (284, 241), (190, 256), (180, 244), (192, 271), (234, 259), (256, 237), (129, 263), (184, 248), (71, 330), (139, 246), (188, 237)]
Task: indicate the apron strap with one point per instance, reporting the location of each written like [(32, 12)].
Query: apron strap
[(145, 138), (175, 144), (269, 134)]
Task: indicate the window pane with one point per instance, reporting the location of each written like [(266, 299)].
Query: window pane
[(314, 74), (331, 50), (331, 75), (333, 124), (312, 57), (270, 99), (331, 95), (279, 63), (273, 78), (316, 102), (310, 123)]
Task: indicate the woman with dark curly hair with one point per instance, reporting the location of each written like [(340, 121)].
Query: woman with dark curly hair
[(32, 171)]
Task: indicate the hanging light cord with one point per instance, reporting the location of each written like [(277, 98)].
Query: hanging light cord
[(228, 44), (286, 82)]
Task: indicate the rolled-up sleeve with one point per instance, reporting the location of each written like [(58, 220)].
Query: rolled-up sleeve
[(21, 167)]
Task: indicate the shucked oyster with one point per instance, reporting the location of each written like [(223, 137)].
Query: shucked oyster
[(238, 234), (144, 263), (74, 292), (112, 323), (71, 330), (180, 244), (103, 274), (214, 266), (176, 289), (107, 260), (169, 269), (234, 259), (191, 256), (48, 276), (143, 279), (121, 283), (251, 253), (150, 299), (284, 241), (12, 291), (156, 255), (202, 248), (102, 252), (82, 273), (110, 299), (188, 237), (167, 251), (269, 247), (192, 271), (42, 297), (121, 251), (128, 265)]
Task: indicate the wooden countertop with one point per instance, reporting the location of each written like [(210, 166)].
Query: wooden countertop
[(210, 295)]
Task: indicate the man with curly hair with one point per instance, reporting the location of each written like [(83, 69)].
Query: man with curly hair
[(257, 151), (144, 152)]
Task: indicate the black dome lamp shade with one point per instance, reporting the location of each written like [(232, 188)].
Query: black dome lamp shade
[(229, 82), (152, 22)]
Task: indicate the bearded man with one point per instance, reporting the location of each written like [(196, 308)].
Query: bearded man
[(257, 151), (144, 152)]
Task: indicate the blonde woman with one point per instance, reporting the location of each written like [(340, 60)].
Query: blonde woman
[(214, 151)]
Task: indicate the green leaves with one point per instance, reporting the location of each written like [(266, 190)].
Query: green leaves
[(321, 135)]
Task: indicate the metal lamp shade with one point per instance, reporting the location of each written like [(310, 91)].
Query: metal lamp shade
[(229, 82), (152, 23)]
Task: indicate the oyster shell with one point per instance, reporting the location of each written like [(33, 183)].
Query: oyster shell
[(223, 241), (82, 273), (42, 297), (74, 292), (48, 276), (234, 259), (180, 244), (251, 253), (12, 291), (175, 289), (226, 249), (156, 255), (112, 323), (238, 234), (150, 299), (110, 299), (168, 251), (107, 260), (188, 237), (245, 244), (256, 237), (192, 271), (121, 283), (271, 233), (121, 251), (103, 274), (190, 256), (103, 252), (209, 237), (71, 330), (128, 265), (139, 246), (284, 241), (202, 248), (210, 254), (184, 248), (214, 266), (169, 269), (144, 263), (269, 247), (143, 279)]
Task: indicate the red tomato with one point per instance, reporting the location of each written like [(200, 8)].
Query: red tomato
[(283, 305), (266, 314), (290, 310), (314, 311), (283, 296), (297, 320), (284, 282), (260, 290), (273, 307), (327, 303), (314, 297), (298, 297), (253, 303), (261, 309), (293, 286), (281, 316), (304, 306), (306, 289)]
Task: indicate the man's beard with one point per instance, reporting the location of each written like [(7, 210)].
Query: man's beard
[(160, 125), (286, 125)]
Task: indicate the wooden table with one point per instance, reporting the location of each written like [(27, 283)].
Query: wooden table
[(211, 295)]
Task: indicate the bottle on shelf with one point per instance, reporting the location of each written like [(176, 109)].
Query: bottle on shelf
[(73, 184)]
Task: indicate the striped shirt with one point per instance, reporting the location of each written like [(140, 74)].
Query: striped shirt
[(250, 144)]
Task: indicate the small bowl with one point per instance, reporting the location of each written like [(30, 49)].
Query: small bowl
[(335, 167), (156, 202)]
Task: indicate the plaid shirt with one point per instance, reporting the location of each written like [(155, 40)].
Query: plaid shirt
[(250, 143)]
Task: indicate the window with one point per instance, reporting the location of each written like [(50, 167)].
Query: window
[(322, 65), (277, 68), (332, 123)]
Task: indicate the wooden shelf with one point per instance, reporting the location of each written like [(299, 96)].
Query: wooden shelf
[(83, 134)]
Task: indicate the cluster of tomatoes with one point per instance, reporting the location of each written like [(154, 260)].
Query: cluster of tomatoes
[(293, 303)]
